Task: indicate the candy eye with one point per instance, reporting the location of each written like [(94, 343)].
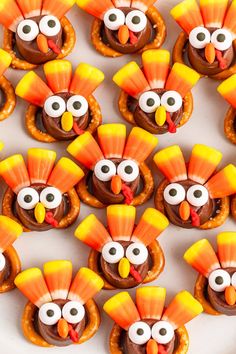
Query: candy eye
[(128, 170), (104, 170), (233, 280), (49, 313), (172, 101), (219, 280), (112, 252), (136, 21), (114, 19), (222, 39), (50, 26), (199, 37), (73, 312), (27, 198), (27, 30), (162, 332), (174, 194), (139, 333), (2, 262), (77, 105), (197, 195), (50, 197), (55, 106), (137, 253), (149, 102)]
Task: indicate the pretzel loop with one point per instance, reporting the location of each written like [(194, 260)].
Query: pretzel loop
[(10, 98), (15, 263)]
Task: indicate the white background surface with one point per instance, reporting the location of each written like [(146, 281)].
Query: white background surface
[(208, 334)]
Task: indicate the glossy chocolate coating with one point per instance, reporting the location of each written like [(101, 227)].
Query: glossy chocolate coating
[(5, 273), (53, 125), (30, 52), (144, 37), (27, 218), (102, 190), (50, 333), (205, 212), (110, 272), (217, 299)]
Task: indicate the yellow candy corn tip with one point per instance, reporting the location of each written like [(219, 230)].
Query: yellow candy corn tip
[(187, 73), (27, 275), (1, 145), (189, 301), (67, 121), (124, 268), (156, 55), (92, 276), (39, 213), (24, 84), (86, 70), (55, 266), (54, 66), (208, 153), (195, 249), (226, 238), (5, 57), (42, 153), (110, 129), (156, 218), (127, 70), (227, 86), (11, 225), (116, 301), (70, 166), (126, 210), (85, 226)]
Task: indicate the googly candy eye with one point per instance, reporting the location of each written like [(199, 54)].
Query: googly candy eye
[(113, 252), (219, 280), (2, 262), (222, 39), (149, 102), (233, 280), (55, 106), (49, 313), (162, 332), (50, 26), (137, 253), (136, 21), (104, 170), (27, 30), (197, 195), (139, 333), (114, 19), (73, 312), (128, 170), (77, 105), (27, 198), (50, 197), (172, 101), (174, 194), (199, 37)]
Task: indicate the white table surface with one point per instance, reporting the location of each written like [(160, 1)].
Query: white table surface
[(208, 334)]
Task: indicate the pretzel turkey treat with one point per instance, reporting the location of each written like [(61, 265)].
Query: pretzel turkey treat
[(41, 195), (124, 26), (36, 31), (147, 326), (10, 264), (64, 107), (123, 254), (194, 194), (155, 97), (215, 287), (60, 311), (208, 38), (7, 94), (116, 172)]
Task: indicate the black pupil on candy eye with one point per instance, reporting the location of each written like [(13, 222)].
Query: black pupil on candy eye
[(136, 251), (197, 194), (26, 29), (163, 331), (221, 38), (140, 331), (173, 192), (171, 101), (105, 169), (51, 23), (73, 312), (201, 36), (55, 106), (28, 198), (219, 280), (150, 102), (50, 197), (112, 251), (50, 313), (136, 20), (77, 105), (128, 170), (112, 17)]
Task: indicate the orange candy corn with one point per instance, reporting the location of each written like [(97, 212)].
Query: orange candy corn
[(227, 89), (96, 8), (30, 8), (223, 184), (121, 219), (10, 19), (9, 232), (111, 139), (57, 8), (58, 74), (5, 61), (213, 12), (40, 164), (229, 22), (156, 66), (226, 242), (150, 301)]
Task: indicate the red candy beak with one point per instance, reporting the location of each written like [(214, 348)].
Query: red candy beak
[(52, 45)]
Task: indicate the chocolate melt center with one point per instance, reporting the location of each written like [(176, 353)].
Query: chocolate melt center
[(205, 212), (144, 37), (29, 50), (50, 333), (217, 300), (53, 125)]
